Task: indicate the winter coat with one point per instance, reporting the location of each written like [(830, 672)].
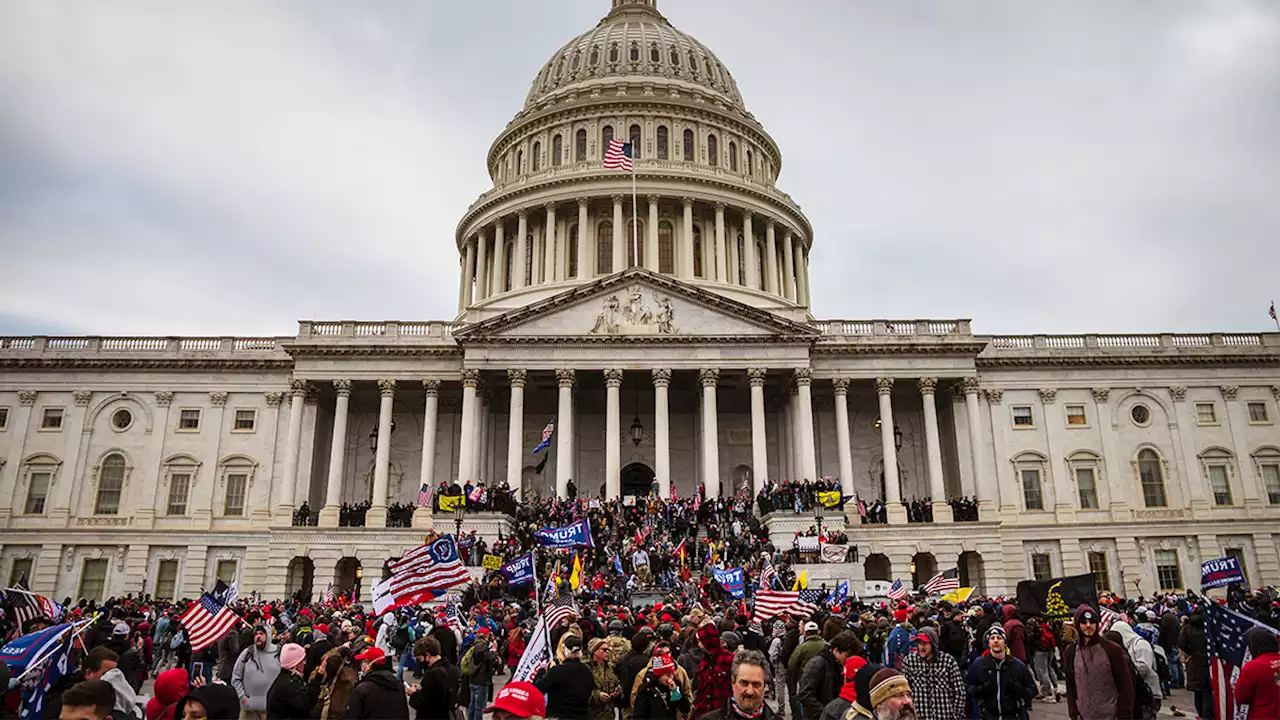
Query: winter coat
[(953, 639), (53, 698), (378, 696), (820, 682), (1098, 683), (690, 660), (386, 631), (220, 702), (228, 650), (171, 687), (130, 661), (728, 713), (292, 697), (713, 688), (1256, 685), (1016, 633), (606, 680), (653, 702), (803, 653), (335, 688), (481, 661), (1193, 645), (937, 689), (438, 691), (896, 646), (1003, 688), (682, 680), (448, 643), (255, 670), (1170, 628), (568, 687), (128, 704), (1141, 653)]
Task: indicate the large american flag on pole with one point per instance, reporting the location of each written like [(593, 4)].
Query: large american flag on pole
[(420, 575), (772, 603), (207, 621), (944, 582), (618, 156), (1224, 634), (897, 590), (537, 652)]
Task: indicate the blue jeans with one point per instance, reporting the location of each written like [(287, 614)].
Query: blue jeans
[(407, 662), (479, 698)]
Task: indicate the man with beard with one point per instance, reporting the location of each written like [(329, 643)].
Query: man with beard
[(891, 696), (1001, 683), (1098, 682), (746, 702)]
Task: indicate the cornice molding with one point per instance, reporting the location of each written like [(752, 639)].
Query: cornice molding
[(176, 363), (1103, 360)]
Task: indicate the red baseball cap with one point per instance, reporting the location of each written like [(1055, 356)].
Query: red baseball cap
[(521, 699), (374, 654)]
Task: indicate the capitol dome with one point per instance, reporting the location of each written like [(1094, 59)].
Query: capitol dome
[(634, 39)]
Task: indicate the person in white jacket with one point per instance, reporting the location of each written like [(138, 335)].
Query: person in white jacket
[(1143, 656), (386, 633)]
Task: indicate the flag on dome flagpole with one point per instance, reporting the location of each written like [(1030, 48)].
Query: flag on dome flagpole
[(1272, 313), (618, 156), (547, 432)]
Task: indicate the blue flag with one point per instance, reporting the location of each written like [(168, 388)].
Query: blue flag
[(617, 565), (838, 595), (44, 657), (575, 534), (1220, 572), (518, 570), (731, 580), (547, 432)]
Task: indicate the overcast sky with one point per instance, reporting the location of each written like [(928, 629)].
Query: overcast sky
[(232, 167)]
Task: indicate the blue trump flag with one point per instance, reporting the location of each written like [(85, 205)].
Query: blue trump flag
[(42, 658), (617, 564), (576, 534), (518, 570), (1220, 572), (838, 595), (731, 580)]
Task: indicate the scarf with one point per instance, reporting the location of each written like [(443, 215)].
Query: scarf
[(737, 710)]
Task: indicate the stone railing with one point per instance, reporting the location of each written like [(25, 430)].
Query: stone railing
[(347, 329), (1013, 344), (893, 328), (42, 346)]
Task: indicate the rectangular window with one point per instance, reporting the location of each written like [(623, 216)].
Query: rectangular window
[(227, 571), (246, 420), (4, 418), (93, 579), (1101, 574), (1168, 572), (234, 506), (1031, 490), (1076, 416), (1218, 483), (1206, 414), (1271, 479), (1238, 554), (1088, 487), (51, 419), (1258, 413), (1041, 566), (167, 579), (189, 419), (179, 490), (37, 492), (1022, 416), (21, 570)]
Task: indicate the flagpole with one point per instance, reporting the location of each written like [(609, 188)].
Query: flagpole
[(542, 618), (635, 220)]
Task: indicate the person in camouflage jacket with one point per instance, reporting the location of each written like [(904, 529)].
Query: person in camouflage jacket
[(607, 690)]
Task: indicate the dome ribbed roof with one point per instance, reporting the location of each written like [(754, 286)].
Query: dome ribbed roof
[(634, 41)]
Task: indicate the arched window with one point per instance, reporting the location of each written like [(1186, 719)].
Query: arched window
[(635, 142), (693, 61), (666, 248), (236, 477), (1030, 468), (577, 60), (604, 248), (697, 251), (712, 151), (111, 476), (537, 155), (179, 473), (1151, 475), (742, 260), (594, 57), (572, 239), (528, 259), (635, 51), (675, 56), (1217, 465), (606, 136), (663, 141), (1084, 466), (635, 246), (733, 156), (509, 272), (580, 145), (751, 165), (557, 150), (655, 55), (613, 53), (688, 146)]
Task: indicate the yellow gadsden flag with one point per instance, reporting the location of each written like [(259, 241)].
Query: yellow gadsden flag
[(830, 498), (957, 596), (449, 502), (802, 581), (575, 577)]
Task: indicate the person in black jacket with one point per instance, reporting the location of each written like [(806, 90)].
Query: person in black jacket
[(434, 698), (823, 675), (447, 639), (131, 663), (290, 696), (478, 665), (1001, 683), (212, 702), (568, 686), (659, 696), (97, 663), (378, 695), (952, 638)]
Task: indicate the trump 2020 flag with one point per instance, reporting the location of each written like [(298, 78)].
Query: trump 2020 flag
[(838, 595), (731, 580), (1220, 572), (518, 570), (575, 534)]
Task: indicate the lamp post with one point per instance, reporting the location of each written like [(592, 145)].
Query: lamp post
[(819, 513), (359, 576), (459, 511)]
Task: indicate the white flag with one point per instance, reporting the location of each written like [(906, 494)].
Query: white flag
[(535, 653)]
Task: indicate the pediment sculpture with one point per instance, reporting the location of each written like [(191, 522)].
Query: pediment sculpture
[(636, 317)]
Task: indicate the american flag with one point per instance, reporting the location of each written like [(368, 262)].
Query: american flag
[(1224, 634), (421, 574), (1108, 616), (424, 495), (547, 432), (767, 576), (897, 590), (28, 605), (772, 603), (536, 653), (328, 595), (207, 621), (452, 618), (944, 582), (618, 155)]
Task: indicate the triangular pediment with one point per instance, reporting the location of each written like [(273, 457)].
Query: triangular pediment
[(637, 305)]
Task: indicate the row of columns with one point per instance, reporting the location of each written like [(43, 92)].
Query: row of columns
[(484, 272)]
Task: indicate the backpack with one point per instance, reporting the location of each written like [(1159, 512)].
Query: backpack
[(1046, 637), (400, 640), (1142, 697), (468, 666)]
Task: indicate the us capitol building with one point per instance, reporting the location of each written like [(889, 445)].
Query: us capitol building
[(690, 353)]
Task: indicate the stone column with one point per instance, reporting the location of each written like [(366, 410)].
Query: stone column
[(619, 244), (841, 386), (515, 425), (1185, 437), (662, 431), (499, 284), (808, 459), (709, 377), (522, 251), (564, 438), (377, 517), (482, 435), (771, 258), (1237, 422), (539, 254), (337, 455), (586, 259), (293, 442), (802, 280), (427, 473), (892, 492), (788, 267), (933, 449), (686, 240), (549, 244), (796, 445), (650, 258), (1065, 497), (467, 443), (731, 256), (759, 442), (722, 255), (482, 266), (468, 276), (982, 481), (19, 424), (749, 252), (612, 434)]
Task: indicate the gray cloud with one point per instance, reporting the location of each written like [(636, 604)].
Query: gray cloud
[(233, 167)]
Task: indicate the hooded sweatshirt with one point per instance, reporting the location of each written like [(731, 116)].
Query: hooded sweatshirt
[(220, 702), (1016, 633), (1142, 654), (1257, 683), (127, 702), (256, 669), (936, 684), (171, 685), (1098, 682)]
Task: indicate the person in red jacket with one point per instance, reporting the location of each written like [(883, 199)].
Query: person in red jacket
[(1016, 632), (1259, 683), (515, 647), (171, 686)]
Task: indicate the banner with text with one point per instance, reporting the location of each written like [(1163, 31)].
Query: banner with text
[(732, 580), (576, 534), (1220, 572), (519, 570), (491, 562)]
